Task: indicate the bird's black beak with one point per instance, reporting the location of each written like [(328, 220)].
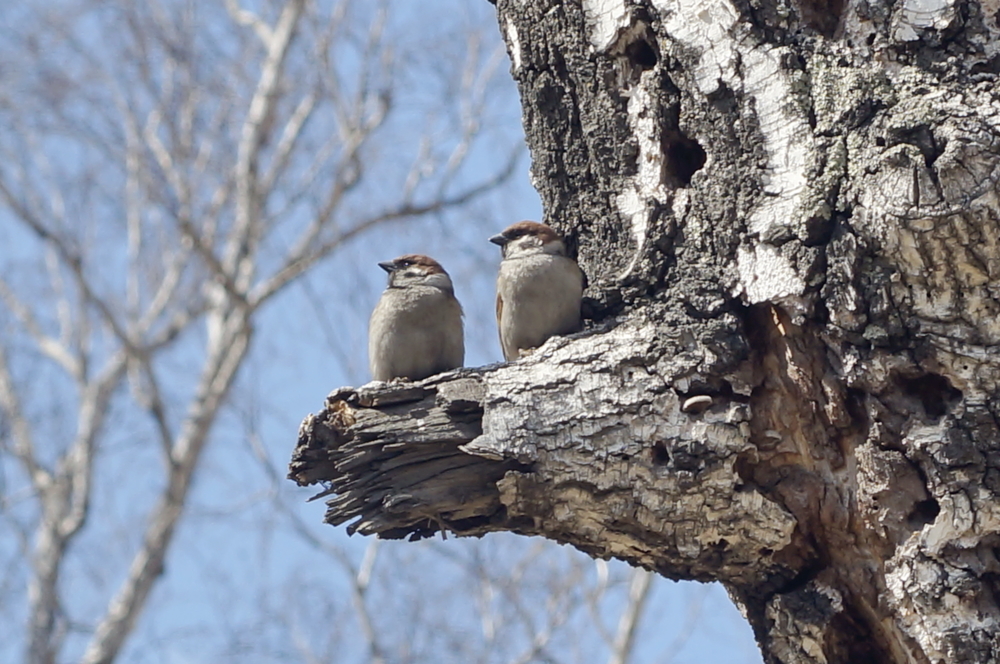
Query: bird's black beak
[(499, 239), (388, 266)]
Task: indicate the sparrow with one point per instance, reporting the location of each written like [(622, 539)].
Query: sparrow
[(538, 289), (416, 328)]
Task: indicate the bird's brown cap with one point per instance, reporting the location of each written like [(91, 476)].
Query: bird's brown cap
[(522, 228), (430, 265)]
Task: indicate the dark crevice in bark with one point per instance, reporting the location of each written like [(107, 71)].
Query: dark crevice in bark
[(660, 455), (823, 16), (684, 157), (922, 136), (924, 513), (637, 51), (810, 482), (935, 393), (850, 640), (642, 54)]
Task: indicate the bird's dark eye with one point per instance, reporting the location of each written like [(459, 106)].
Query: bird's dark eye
[(405, 263)]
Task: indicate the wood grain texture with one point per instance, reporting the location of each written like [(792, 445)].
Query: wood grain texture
[(584, 442)]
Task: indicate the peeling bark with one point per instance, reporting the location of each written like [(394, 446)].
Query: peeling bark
[(789, 208)]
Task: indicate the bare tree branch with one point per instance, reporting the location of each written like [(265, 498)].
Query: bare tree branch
[(305, 256), (247, 18), (50, 347), (256, 129), (225, 356), (288, 140), (193, 163), (66, 501), (22, 441), (638, 594)]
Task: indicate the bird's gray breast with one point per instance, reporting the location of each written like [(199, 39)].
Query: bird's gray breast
[(415, 332), (541, 297)]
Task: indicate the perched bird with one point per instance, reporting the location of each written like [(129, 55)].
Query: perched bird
[(416, 328), (538, 289)]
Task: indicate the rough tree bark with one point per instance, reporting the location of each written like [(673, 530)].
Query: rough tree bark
[(788, 214)]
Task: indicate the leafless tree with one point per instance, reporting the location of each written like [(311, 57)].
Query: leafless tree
[(167, 170)]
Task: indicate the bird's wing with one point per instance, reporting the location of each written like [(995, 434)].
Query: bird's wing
[(503, 346)]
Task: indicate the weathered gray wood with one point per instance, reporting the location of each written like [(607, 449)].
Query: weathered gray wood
[(584, 442), (391, 456)]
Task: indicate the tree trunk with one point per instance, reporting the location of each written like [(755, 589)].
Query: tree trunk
[(788, 216)]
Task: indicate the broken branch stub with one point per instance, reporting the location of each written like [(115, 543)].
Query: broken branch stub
[(389, 454), (584, 442)]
